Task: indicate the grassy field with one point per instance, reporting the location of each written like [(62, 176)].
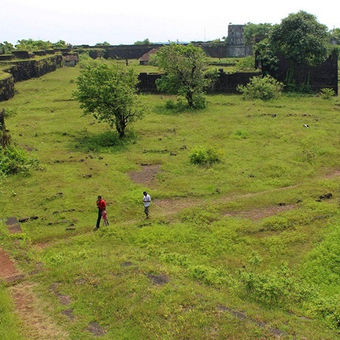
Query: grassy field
[(244, 249)]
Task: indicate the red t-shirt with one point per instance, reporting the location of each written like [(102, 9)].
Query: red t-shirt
[(101, 204)]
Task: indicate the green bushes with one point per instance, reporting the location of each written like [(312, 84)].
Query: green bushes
[(328, 308), (246, 64), (204, 156), (261, 88), (327, 93), (277, 287), (14, 160)]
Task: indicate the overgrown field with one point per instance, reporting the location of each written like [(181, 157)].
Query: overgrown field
[(243, 249)]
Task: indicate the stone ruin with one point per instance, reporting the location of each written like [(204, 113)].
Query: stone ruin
[(236, 46), (5, 138)]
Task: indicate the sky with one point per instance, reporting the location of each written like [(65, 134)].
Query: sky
[(124, 22)]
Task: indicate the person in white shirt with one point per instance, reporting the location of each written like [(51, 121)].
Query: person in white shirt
[(146, 201)]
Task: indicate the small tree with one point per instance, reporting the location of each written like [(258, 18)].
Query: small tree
[(108, 92), (184, 67)]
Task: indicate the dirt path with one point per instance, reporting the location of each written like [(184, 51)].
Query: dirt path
[(175, 205), (31, 311), (8, 271)]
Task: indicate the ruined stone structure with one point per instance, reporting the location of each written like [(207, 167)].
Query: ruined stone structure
[(23, 69), (307, 78), (224, 83), (233, 47), (236, 46)]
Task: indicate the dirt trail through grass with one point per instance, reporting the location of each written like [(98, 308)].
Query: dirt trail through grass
[(174, 205), (36, 323)]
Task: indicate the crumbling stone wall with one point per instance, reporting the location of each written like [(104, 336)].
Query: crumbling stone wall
[(228, 82), (6, 87), (225, 82), (128, 51), (25, 69), (307, 77), (31, 68)]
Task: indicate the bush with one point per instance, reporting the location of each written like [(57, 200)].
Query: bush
[(204, 156), (14, 160), (261, 88), (327, 93), (328, 308), (246, 64), (274, 288)]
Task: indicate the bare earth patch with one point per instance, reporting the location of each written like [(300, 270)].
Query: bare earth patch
[(146, 175), (37, 324), (7, 268), (332, 174), (95, 329)]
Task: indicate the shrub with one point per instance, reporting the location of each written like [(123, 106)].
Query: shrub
[(329, 309), (208, 275), (204, 156), (327, 93), (14, 160), (261, 88), (246, 64), (274, 287), (241, 134)]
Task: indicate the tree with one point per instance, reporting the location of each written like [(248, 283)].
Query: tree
[(301, 39), (108, 92), (6, 47), (335, 35), (254, 33), (105, 43), (184, 67), (143, 42)]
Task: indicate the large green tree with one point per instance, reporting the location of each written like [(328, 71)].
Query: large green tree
[(184, 67), (301, 39), (108, 92), (254, 33)]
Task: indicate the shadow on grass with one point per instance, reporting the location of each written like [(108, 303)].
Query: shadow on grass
[(176, 109), (107, 141), (162, 109)]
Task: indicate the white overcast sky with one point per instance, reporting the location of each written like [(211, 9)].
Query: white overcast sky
[(123, 22)]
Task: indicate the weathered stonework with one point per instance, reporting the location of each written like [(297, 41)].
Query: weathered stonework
[(23, 70), (234, 47), (6, 88)]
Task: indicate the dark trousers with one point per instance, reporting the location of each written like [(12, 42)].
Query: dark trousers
[(146, 211), (99, 218)]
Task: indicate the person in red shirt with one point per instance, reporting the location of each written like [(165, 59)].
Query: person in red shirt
[(101, 204)]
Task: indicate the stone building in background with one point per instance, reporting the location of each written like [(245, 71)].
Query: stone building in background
[(236, 46)]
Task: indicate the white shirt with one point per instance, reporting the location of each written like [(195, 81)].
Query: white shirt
[(146, 200)]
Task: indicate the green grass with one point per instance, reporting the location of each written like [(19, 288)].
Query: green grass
[(9, 326), (205, 249)]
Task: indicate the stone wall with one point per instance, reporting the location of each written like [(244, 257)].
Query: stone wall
[(225, 82), (228, 82), (147, 82), (304, 77), (23, 70), (6, 87), (32, 68), (128, 51)]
